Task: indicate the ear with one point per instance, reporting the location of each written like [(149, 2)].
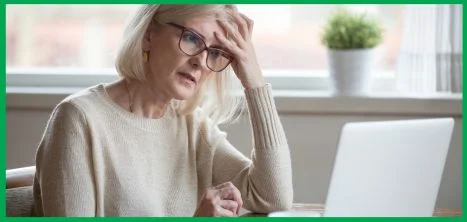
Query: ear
[(147, 40)]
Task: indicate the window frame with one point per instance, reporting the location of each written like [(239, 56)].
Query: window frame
[(288, 80)]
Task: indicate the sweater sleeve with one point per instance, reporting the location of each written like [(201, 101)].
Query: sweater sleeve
[(63, 184), (265, 181)]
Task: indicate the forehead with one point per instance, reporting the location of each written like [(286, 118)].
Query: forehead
[(205, 26)]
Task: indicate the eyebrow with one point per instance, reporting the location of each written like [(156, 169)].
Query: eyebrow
[(200, 35), (197, 33), (188, 28), (204, 39)]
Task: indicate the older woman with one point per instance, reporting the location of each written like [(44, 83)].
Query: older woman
[(149, 145)]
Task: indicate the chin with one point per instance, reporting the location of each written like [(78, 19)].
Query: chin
[(183, 93)]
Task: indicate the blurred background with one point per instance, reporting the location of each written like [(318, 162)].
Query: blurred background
[(55, 50), (86, 36)]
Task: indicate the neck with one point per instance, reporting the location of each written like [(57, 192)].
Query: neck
[(144, 101)]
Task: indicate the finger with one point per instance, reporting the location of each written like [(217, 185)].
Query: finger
[(229, 45), (227, 191), (238, 198), (241, 23), (229, 30), (229, 205), (221, 212), (230, 192)]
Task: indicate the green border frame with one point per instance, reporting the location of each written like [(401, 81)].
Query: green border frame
[(237, 1), (3, 99)]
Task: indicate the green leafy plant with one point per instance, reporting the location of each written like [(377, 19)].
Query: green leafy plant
[(347, 30)]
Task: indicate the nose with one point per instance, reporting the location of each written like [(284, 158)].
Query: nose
[(199, 61)]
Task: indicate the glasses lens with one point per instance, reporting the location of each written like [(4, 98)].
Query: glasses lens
[(191, 43), (217, 60)]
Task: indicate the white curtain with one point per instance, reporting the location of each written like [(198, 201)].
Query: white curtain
[(430, 58)]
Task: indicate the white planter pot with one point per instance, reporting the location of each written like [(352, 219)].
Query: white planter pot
[(350, 71)]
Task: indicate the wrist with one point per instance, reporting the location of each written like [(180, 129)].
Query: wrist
[(260, 82)]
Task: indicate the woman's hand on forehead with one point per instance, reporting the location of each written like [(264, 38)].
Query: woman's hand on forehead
[(239, 43)]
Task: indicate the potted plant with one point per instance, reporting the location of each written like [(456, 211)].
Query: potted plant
[(351, 39)]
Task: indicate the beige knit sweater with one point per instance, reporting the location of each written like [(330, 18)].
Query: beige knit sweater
[(97, 159)]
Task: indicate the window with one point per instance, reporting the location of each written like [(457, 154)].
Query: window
[(54, 40), (78, 36)]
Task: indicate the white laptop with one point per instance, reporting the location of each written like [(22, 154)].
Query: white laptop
[(389, 168), (386, 169)]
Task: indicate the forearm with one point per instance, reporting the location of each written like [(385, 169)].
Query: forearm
[(268, 132), (270, 175)]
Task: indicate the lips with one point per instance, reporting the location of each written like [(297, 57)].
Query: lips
[(188, 76)]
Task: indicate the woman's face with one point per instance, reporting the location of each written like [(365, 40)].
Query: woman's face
[(169, 70)]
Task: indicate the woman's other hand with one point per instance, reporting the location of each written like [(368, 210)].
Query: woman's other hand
[(223, 200)]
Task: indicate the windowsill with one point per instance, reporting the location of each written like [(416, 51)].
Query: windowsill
[(319, 102), (287, 102)]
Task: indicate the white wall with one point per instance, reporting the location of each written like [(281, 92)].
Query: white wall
[(312, 136)]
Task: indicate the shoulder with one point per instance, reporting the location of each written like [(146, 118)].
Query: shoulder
[(86, 95), (83, 99), (74, 105)]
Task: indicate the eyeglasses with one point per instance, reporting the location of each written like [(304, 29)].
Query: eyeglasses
[(193, 44)]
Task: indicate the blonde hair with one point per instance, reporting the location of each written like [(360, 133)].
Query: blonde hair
[(218, 97)]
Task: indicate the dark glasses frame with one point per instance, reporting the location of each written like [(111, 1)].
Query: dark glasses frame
[(184, 29)]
